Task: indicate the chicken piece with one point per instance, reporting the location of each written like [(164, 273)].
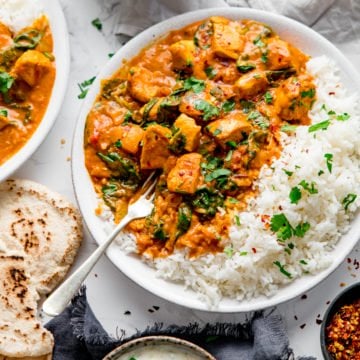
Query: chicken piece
[(185, 176), (155, 147), (278, 55), (227, 41), (144, 84), (31, 66), (183, 53), (230, 128), (190, 130), (251, 84), (130, 136)]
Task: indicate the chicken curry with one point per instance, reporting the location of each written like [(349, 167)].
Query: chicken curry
[(27, 73), (203, 106)]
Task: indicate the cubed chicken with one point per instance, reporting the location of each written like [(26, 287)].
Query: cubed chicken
[(251, 84), (185, 176), (190, 130), (227, 41), (130, 136), (278, 56), (31, 66), (230, 128), (183, 54), (144, 84), (155, 147)]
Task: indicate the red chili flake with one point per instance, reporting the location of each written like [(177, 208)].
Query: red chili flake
[(302, 326), (303, 297), (349, 260), (254, 250), (332, 93), (265, 218)]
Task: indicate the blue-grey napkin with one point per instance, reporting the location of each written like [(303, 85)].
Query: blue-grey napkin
[(79, 336)]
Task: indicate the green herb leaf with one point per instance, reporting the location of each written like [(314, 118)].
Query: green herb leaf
[(310, 188), (217, 132), (268, 97), (109, 189), (258, 42), (228, 106), (118, 144), (348, 199), (282, 269), (229, 251), (343, 117), (3, 112), (6, 82), (288, 128), (159, 232), (97, 23), (295, 195), (309, 93), (110, 55), (228, 156), (196, 85), (84, 87), (329, 160), (247, 105), (323, 125), (287, 172), (320, 172), (281, 226), (243, 253), (303, 262), (301, 229), (259, 120), (28, 39), (232, 144), (244, 67), (209, 111), (233, 200), (184, 219), (237, 220), (210, 72), (216, 174)]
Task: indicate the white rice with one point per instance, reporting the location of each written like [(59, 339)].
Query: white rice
[(17, 14), (214, 276)]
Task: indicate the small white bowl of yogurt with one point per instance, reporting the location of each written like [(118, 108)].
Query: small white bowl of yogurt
[(159, 348)]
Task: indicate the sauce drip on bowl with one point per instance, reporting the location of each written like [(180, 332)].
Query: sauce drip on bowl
[(27, 74), (205, 106)]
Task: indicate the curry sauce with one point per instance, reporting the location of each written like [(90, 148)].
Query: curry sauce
[(204, 106), (27, 73)]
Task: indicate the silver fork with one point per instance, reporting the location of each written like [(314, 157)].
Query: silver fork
[(59, 299)]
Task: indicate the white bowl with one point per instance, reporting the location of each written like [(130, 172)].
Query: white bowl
[(62, 54), (304, 38)]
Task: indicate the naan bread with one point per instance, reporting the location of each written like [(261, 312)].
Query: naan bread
[(40, 234)]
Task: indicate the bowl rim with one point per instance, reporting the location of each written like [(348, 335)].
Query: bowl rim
[(159, 339), (84, 198), (339, 300), (52, 9)]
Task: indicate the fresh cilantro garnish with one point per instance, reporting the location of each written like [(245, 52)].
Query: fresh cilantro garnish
[(232, 144), (243, 253), (320, 172), (217, 132), (247, 105), (97, 23), (118, 144), (6, 82), (329, 160), (348, 199), (258, 42), (310, 188), (110, 55), (331, 112), (295, 195), (283, 229), (217, 173), (228, 156), (237, 220), (259, 120), (282, 269), (109, 189), (264, 57), (228, 105), (84, 87), (245, 67), (288, 128), (210, 72), (233, 200), (323, 125), (268, 97), (196, 85), (3, 112), (343, 117), (303, 262), (287, 172), (209, 110), (229, 251), (309, 93)]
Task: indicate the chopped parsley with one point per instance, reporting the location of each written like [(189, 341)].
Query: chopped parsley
[(196, 85), (259, 120), (258, 42), (243, 253), (301, 229), (309, 93), (268, 97), (295, 195), (84, 87), (210, 72), (288, 128), (217, 173), (229, 251), (310, 188), (237, 220), (303, 262), (118, 144), (233, 200), (228, 156), (282, 269), (110, 55), (209, 110), (3, 112), (348, 199), (329, 160), (217, 132), (109, 189), (232, 144), (320, 172), (184, 219), (283, 229), (287, 172), (343, 117), (97, 24), (6, 82), (323, 125), (228, 105), (245, 67)]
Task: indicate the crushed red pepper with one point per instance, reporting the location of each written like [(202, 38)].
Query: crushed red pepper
[(343, 333)]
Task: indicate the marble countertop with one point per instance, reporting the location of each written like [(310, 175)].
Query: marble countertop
[(117, 301)]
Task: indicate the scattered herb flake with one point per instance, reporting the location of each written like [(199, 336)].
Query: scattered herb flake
[(243, 253), (209, 110), (303, 262), (323, 125), (310, 188), (281, 226), (210, 72), (287, 172), (228, 105), (329, 160), (301, 229), (282, 269), (6, 82), (288, 128), (97, 23), (309, 93), (233, 200), (217, 132), (110, 55), (229, 251), (237, 220), (228, 156), (245, 67), (320, 172), (343, 117), (84, 87), (232, 144), (118, 144), (295, 195), (268, 97), (3, 112), (196, 85), (258, 42), (348, 199)]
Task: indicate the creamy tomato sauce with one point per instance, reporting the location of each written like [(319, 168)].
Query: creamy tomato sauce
[(27, 73), (203, 106)]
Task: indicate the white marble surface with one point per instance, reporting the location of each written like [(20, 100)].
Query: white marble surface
[(110, 293)]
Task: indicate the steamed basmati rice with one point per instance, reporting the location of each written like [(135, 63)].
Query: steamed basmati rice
[(247, 268), (17, 14)]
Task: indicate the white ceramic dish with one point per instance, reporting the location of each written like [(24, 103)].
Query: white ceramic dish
[(304, 38), (62, 54)]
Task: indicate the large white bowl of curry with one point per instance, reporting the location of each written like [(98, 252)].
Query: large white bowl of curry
[(84, 157), (34, 66)]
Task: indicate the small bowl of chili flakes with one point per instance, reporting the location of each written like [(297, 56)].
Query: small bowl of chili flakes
[(340, 330)]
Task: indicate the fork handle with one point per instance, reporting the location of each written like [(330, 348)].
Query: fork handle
[(60, 298)]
